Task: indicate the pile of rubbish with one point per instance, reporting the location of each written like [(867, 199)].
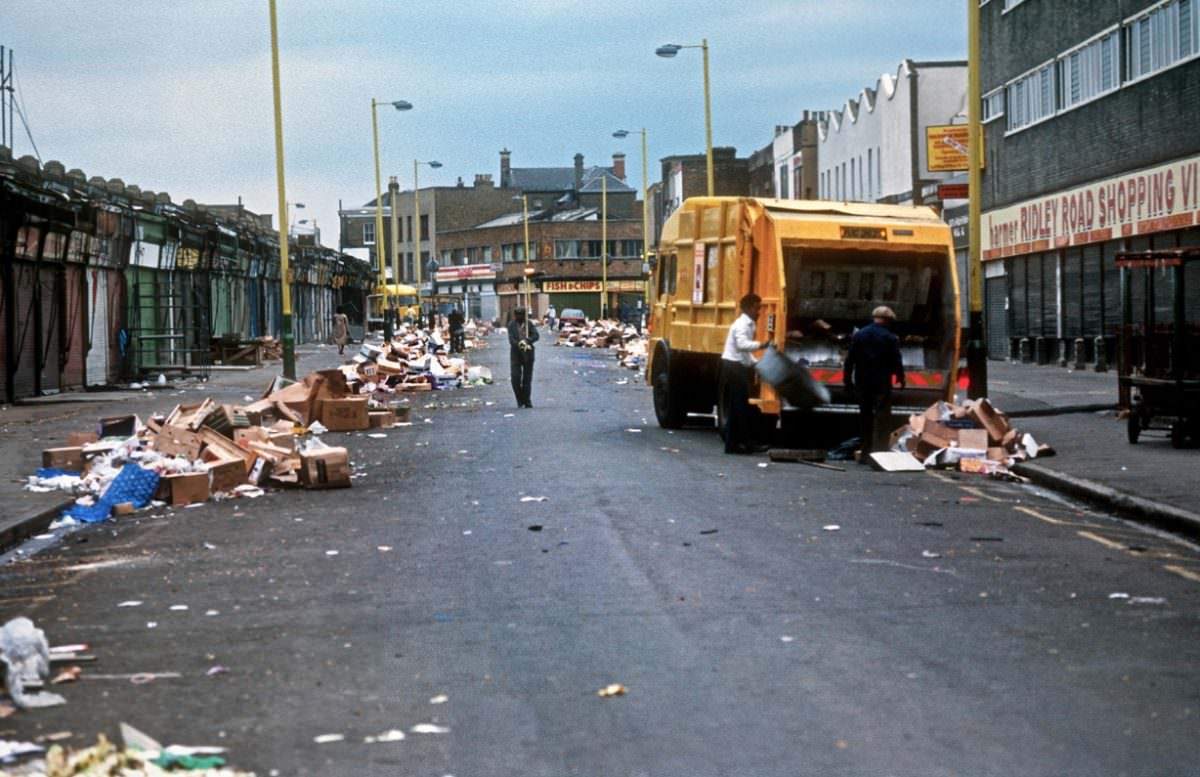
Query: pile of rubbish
[(971, 437), (414, 360), (139, 756), (626, 341), (209, 450)]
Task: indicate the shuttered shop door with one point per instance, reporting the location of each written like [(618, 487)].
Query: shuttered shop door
[(1191, 282), (994, 293), (1049, 295), (1033, 277), (1072, 280), (75, 315), (1112, 287), (1019, 299), (48, 278), (97, 327), (1093, 292)]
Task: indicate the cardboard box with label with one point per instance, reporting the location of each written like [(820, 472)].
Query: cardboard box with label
[(326, 468), (69, 459), (381, 419), (227, 474), (348, 414)]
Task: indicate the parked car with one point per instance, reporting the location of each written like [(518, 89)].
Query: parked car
[(573, 316)]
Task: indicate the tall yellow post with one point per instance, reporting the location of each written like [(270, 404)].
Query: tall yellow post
[(645, 222), (603, 246), (708, 147), (528, 266), (976, 347), (289, 340), (379, 245), (417, 230)]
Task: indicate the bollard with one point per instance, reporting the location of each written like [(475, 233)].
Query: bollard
[(1101, 354), (1080, 354), (1062, 352), (1026, 349)]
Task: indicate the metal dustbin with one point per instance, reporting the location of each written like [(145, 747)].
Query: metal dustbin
[(791, 379)]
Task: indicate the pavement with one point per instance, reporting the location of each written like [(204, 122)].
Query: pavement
[(1072, 410)]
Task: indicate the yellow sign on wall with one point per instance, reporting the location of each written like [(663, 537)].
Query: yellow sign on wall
[(946, 147)]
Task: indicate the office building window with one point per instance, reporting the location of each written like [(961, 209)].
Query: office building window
[(368, 233), (783, 182), (1089, 71), (1161, 37), (1031, 98), (993, 106)]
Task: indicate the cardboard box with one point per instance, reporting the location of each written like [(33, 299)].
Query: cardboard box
[(188, 487), (116, 426), (402, 413), (218, 446), (124, 508), (328, 468), (381, 419), (178, 441), (256, 433), (260, 472), (975, 439), (226, 474), (282, 440), (348, 414), (997, 454), (79, 439), (70, 459), (989, 418)]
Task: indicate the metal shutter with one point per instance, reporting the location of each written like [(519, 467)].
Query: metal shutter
[(96, 366), (49, 354), (1050, 295), (1019, 296), (1093, 292), (1112, 287), (1072, 280), (1033, 286), (74, 347), (1191, 279), (24, 336), (994, 295)]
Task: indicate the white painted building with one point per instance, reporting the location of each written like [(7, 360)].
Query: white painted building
[(873, 148)]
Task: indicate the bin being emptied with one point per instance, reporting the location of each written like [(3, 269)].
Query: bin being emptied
[(791, 379)]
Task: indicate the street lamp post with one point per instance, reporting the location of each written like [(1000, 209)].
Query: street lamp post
[(603, 245), (400, 105), (669, 50), (417, 223), (645, 207), (289, 339)]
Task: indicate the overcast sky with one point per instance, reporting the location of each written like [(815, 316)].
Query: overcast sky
[(175, 95)]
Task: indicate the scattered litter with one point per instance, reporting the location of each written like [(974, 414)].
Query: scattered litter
[(786, 638), (930, 554), (987, 539), (394, 735), (131, 603), (669, 450), (26, 657), (635, 431), (508, 415), (614, 689), (1118, 595), (439, 699), (708, 531), (331, 553), (1146, 600), (534, 498), (377, 435), (384, 548), (429, 728), (212, 612), (216, 670), (67, 675), (762, 465), (535, 527), (11, 750), (831, 527), (322, 739), (152, 624), (178, 607)]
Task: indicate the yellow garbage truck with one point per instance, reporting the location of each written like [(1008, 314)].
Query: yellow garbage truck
[(820, 268)]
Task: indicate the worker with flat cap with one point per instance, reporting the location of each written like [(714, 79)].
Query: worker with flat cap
[(522, 334), (874, 359)]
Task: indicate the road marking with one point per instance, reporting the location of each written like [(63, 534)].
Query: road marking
[(1183, 572), (941, 477), (1040, 516), (1105, 541), (979, 493)]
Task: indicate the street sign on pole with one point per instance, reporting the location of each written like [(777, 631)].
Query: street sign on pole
[(946, 147)]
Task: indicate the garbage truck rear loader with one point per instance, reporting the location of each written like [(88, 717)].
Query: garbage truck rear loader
[(820, 268)]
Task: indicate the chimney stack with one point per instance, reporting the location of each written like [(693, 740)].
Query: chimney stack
[(505, 169), (619, 165), (578, 172)]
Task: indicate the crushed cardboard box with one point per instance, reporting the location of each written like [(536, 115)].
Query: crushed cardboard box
[(972, 437)]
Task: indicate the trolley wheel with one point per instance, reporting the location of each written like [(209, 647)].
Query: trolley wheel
[(1133, 427)]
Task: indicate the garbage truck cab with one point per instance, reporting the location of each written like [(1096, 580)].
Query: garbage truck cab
[(820, 268)]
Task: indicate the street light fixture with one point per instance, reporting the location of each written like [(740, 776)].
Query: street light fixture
[(400, 105), (668, 51), (645, 205), (417, 224)]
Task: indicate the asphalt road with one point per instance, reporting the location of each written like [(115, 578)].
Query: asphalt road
[(948, 626)]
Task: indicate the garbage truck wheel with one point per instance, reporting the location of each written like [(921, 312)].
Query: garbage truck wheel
[(1133, 428), (669, 406)]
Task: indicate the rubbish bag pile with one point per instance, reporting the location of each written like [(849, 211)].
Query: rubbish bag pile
[(625, 340), (416, 359), (971, 437)]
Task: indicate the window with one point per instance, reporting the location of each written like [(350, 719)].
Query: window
[(566, 249), (870, 175), (1162, 37), (515, 252), (486, 254), (783, 182), (424, 226), (993, 105), (1089, 71), (368, 233), (1031, 98)]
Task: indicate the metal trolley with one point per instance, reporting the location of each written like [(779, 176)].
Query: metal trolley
[(1159, 343)]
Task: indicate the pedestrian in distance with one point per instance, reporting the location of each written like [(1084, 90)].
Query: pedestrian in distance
[(874, 359), (457, 324), (522, 334), (737, 372), (341, 329), (551, 314)]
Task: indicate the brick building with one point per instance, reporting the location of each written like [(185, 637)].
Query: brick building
[(687, 176), (1090, 115)]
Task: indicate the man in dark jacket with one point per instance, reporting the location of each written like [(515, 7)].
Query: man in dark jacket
[(522, 334), (457, 322), (873, 359)]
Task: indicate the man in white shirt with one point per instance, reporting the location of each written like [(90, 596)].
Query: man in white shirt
[(737, 368)]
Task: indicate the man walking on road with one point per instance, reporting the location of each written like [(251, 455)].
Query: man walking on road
[(737, 368), (522, 334), (873, 359), (457, 322)]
